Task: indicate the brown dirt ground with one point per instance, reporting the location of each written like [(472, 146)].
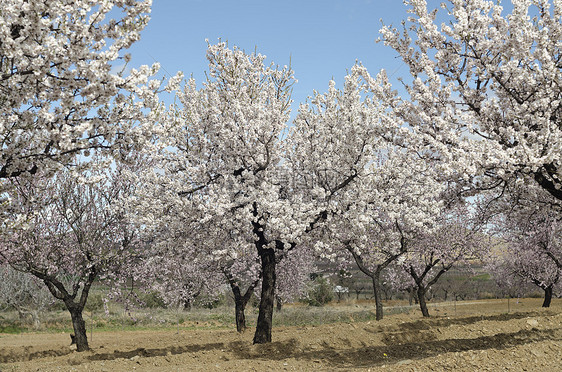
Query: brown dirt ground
[(482, 336)]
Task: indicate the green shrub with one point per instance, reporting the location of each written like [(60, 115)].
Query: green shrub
[(152, 300), (211, 302), (95, 302), (321, 292)]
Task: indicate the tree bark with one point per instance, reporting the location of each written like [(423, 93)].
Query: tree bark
[(547, 296), (379, 312), (279, 304), (265, 316), (423, 304), (80, 336), (75, 308), (239, 307), (240, 301)]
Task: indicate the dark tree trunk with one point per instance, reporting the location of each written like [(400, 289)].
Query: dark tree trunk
[(187, 305), (378, 301), (75, 308), (80, 337), (239, 307), (547, 296), (376, 273), (279, 304), (240, 301), (421, 298), (265, 316)]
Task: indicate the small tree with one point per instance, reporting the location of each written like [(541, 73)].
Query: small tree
[(321, 292), (76, 236), (294, 269), (457, 239), (531, 238)]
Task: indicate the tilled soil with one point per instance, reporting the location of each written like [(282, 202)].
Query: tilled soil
[(481, 337)]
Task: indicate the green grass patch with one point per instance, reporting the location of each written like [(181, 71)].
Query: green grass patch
[(11, 329), (482, 277)]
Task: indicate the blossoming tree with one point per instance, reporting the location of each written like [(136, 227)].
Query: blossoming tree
[(218, 158), (224, 159), (23, 293), (63, 81), (74, 234), (457, 239), (485, 89), (531, 239), (353, 164)]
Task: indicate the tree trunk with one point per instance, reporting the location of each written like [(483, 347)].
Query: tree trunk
[(240, 301), (240, 316), (279, 304), (265, 316), (378, 300), (187, 305), (421, 299), (80, 337), (547, 296)]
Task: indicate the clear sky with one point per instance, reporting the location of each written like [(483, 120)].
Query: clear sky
[(321, 38)]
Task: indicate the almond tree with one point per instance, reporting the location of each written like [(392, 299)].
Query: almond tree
[(458, 238), (293, 275), (531, 240), (351, 160), (181, 266), (218, 156), (178, 270), (223, 159), (73, 234), (64, 90), (526, 264), (239, 277), (372, 252), (395, 209), (485, 90)]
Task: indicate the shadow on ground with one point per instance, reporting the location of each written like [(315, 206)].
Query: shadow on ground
[(148, 353), (388, 344), (26, 353), (395, 351), (431, 323)]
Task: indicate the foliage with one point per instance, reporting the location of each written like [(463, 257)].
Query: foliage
[(152, 299), (320, 293)]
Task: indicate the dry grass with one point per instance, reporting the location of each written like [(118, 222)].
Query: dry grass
[(117, 318)]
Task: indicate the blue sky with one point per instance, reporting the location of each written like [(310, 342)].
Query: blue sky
[(321, 38)]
